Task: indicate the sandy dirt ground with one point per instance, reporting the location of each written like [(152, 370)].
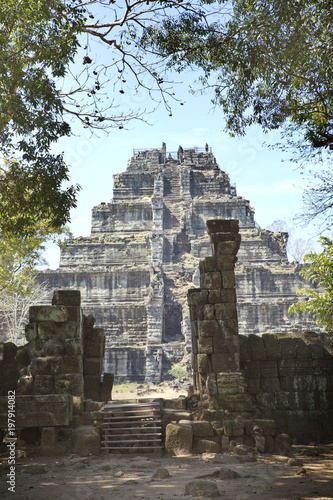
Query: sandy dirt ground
[(269, 477), (306, 475)]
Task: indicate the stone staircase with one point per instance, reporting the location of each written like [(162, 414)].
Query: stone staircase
[(132, 427)]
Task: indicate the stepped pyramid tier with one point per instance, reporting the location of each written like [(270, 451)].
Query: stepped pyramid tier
[(142, 256)]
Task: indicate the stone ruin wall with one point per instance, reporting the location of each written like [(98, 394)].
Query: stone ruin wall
[(283, 383), (57, 380), (142, 256), (252, 392)]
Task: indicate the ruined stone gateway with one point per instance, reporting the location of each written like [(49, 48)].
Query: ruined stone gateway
[(142, 256)]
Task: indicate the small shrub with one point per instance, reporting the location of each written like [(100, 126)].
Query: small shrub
[(178, 371)]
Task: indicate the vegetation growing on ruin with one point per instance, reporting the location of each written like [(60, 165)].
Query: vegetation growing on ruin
[(319, 272)]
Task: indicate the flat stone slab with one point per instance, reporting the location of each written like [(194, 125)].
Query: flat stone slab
[(51, 410), (56, 314)]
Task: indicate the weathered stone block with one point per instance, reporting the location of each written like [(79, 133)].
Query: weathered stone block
[(267, 426), (324, 402), (227, 247), (194, 316), (287, 401), (305, 382), (226, 310), (86, 440), (270, 384), (236, 402), (222, 226), (303, 350), (54, 347), (288, 384), (39, 410), (226, 262), (74, 313), (214, 296), (266, 400), (92, 387), (272, 346), (31, 331), (56, 364), (69, 383), (208, 328), (51, 330), (74, 347), (22, 356), (25, 385), (228, 327), (306, 400), (77, 405), (106, 387), (209, 312), (195, 328), (221, 237), (204, 364), (212, 281), (44, 384), (40, 366), (228, 295), (94, 349), (66, 298), (49, 436), (258, 351), (206, 446), (209, 265), (252, 370), (94, 335), (196, 296), (244, 349), (225, 442), (72, 364), (202, 428), (225, 344), (56, 314), (317, 351), (268, 369), (287, 367), (205, 345), (233, 428), (225, 362), (288, 348), (253, 386), (227, 386), (211, 383), (92, 366), (228, 279), (178, 439)]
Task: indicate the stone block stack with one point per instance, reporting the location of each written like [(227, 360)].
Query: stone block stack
[(215, 343), (93, 354), (56, 375), (8, 368), (54, 335)]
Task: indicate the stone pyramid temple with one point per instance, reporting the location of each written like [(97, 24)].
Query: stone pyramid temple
[(142, 256)]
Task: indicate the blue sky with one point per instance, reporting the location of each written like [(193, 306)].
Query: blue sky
[(273, 186)]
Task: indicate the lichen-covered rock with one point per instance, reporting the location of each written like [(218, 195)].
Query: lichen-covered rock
[(202, 489), (161, 473)]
